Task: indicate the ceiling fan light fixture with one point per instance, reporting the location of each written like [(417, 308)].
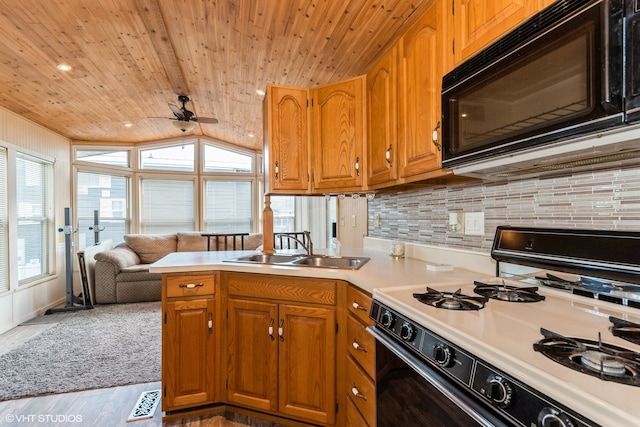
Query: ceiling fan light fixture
[(183, 125)]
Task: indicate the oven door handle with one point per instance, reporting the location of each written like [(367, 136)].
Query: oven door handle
[(465, 403)]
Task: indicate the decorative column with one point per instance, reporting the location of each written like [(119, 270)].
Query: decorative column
[(267, 227)]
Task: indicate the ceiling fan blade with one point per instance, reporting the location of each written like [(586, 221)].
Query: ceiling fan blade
[(205, 120), (177, 111)]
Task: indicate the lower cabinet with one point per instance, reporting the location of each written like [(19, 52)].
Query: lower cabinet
[(188, 341), (281, 345), (360, 360)]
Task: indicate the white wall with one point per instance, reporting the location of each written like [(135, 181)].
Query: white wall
[(21, 303)]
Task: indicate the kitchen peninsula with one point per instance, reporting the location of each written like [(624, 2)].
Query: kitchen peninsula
[(284, 343)]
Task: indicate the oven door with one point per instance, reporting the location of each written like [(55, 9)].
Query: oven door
[(410, 393)]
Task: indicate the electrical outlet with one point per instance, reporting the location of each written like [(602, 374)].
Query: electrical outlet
[(376, 221), (456, 222), (474, 223)]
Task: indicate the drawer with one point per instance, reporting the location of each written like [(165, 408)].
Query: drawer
[(287, 288), (189, 285), (354, 418), (359, 304), (362, 391), (361, 345)]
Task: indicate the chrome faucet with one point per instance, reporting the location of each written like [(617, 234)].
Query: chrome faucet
[(307, 247)]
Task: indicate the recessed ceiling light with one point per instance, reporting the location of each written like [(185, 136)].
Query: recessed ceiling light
[(251, 135), (260, 92), (128, 125), (63, 67)]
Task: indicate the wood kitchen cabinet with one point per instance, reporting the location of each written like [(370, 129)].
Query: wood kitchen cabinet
[(422, 61), (338, 120), (286, 154), (382, 121), (281, 345), (360, 391), (478, 23), (327, 122), (189, 335)]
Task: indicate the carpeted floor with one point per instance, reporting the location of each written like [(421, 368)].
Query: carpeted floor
[(107, 346)]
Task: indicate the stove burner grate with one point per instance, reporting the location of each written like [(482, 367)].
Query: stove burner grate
[(626, 330), (605, 361), (450, 300), (508, 293)]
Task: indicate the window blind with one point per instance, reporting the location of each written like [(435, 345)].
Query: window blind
[(168, 206), (4, 226)]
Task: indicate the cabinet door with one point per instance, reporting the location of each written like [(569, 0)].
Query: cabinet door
[(420, 82), (188, 348), (337, 136), (286, 148), (253, 354), (382, 109), (477, 23), (308, 362)]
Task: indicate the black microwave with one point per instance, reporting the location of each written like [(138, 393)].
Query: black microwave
[(570, 70)]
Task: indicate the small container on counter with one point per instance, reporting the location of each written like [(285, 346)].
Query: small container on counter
[(397, 249)]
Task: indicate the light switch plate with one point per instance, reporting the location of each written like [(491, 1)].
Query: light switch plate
[(474, 223)]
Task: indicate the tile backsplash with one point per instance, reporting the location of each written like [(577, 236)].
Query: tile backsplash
[(599, 200)]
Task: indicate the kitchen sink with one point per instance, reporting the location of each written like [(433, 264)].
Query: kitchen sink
[(352, 263), (300, 260)]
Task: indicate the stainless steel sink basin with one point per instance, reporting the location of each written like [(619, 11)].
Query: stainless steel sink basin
[(268, 258), (351, 263)]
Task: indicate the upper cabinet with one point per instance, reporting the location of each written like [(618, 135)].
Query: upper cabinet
[(382, 127), (477, 23), (422, 61), (286, 152), (337, 117), (314, 138)]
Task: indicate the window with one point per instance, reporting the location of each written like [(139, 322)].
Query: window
[(228, 206), (175, 158), (104, 157), (284, 213), (34, 194), (107, 194), (4, 225), (168, 206), (221, 160)]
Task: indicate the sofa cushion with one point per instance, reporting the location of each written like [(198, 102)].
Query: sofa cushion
[(191, 242), (121, 256), (151, 247)]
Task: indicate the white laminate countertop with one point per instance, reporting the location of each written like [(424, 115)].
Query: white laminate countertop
[(382, 271)]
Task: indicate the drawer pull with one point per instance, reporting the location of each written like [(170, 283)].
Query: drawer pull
[(357, 393), (358, 306), (358, 346), (191, 285)]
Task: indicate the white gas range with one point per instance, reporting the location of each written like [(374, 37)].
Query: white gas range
[(498, 354)]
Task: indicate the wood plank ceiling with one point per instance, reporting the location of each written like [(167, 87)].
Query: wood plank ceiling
[(129, 58)]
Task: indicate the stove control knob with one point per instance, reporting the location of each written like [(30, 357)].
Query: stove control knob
[(499, 391), (387, 319), (406, 331), (442, 354), (551, 417)]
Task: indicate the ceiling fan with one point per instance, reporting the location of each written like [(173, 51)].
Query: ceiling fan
[(184, 119)]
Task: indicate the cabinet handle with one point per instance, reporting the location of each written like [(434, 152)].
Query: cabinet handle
[(210, 323), (357, 166), (358, 306), (435, 137), (190, 285), (277, 170), (271, 329), (387, 155), (358, 346), (280, 330), (357, 393)]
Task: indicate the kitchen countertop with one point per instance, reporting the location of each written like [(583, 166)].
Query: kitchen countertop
[(382, 271)]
